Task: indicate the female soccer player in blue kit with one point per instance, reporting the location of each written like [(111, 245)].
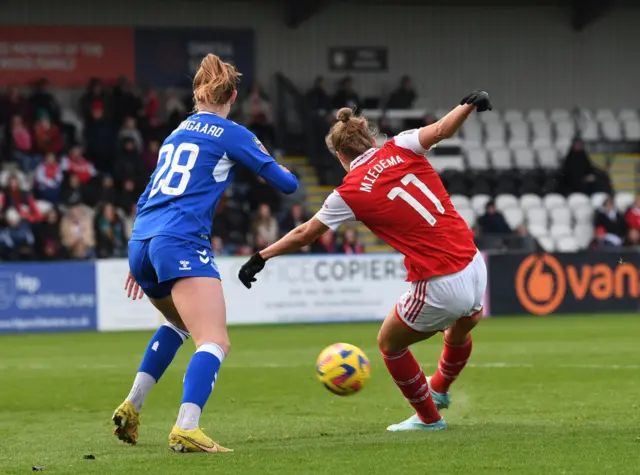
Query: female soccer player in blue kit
[(170, 257)]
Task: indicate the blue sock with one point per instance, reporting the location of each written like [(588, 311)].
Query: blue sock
[(159, 354), (162, 349), (199, 380)]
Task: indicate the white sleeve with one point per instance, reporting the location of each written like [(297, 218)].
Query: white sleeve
[(410, 139), (335, 211)]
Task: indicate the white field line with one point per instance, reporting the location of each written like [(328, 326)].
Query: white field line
[(497, 365)]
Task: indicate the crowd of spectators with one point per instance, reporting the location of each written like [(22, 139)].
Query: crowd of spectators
[(69, 183)]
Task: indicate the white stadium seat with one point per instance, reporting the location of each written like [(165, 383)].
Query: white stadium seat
[(576, 200), (468, 215), (631, 129), (563, 144), (583, 214), (537, 217), (560, 230), (598, 199), (611, 130), (506, 201), (495, 133), (565, 129), (529, 201), (537, 115), (541, 130), (518, 134), (541, 142), (589, 130), (548, 158), (477, 159), (554, 200), (623, 200), (490, 117), (472, 132), (479, 203), (605, 114), (583, 234), (501, 159), (513, 115), (524, 159), (560, 114), (628, 114), (460, 202), (547, 243), (514, 217), (538, 230), (567, 244), (560, 216)]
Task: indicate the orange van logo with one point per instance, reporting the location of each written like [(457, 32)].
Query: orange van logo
[(542, 282)]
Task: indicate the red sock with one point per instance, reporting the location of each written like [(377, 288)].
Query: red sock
[(452, 362), (410, 378)]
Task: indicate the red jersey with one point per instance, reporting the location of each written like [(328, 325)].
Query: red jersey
[(398, 195)]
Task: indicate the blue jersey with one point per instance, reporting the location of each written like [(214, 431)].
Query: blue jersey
[(195, 165)]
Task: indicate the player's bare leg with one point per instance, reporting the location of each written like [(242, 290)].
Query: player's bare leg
[(200, 304), (394, 340), (160, 352), (454, 357)]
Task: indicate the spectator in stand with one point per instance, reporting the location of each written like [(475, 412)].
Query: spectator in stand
[(95, 96), (404, 96), (175, 110), (258, 115), (633, 238), (493, 222), (22, 201), (128, 195), (76, 164), (12, 104), (265, 227), (43, 103), (77, 233), (126, 102), (20, 145), (632, 216), (299, 197), (579, 175), (384, 127), (261, 192), (350, 243), (48, 238), (47, 136), (72, 194), (294, 218), (218, 248), (523, 241), (108, 192), (129, 164), (346, 96), (129, 219), (610, 224), (99, 138), (48, 179), (17, 239), (129, 131), (150, 156), (325, 244), (109, 232), (318, 99)]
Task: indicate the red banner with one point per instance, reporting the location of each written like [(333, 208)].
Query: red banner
[(67, 56)]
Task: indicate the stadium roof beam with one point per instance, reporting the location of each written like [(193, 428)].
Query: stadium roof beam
[(585, 12), (299, 11)]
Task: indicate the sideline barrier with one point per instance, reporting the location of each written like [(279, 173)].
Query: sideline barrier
[(584, 282)]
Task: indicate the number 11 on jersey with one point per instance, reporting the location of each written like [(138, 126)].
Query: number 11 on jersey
[(399, 192)]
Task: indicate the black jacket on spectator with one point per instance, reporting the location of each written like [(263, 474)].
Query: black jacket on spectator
[(613, 222), (494, 223), (99, 137), (125, 102), (129, 165)]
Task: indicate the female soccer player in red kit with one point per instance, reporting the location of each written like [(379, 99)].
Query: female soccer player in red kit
[(397, 194)]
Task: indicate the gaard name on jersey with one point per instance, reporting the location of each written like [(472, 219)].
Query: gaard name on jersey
[(195, 165), (398, 195)]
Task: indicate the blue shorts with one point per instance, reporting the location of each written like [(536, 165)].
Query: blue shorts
[(157, 263)]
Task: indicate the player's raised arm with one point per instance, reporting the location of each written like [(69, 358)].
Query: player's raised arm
[(248, 150), (447, 126)]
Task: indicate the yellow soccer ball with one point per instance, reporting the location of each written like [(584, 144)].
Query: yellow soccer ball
[(343, 369)]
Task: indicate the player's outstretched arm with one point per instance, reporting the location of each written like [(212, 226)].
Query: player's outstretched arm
[(295, 240), (447, 126)]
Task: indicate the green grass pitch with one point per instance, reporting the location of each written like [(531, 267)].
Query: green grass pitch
[(556, 395)]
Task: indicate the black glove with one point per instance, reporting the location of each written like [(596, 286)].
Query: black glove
[(478, 98), (249, 269)]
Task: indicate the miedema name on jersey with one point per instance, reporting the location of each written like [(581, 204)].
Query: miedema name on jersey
[(375, 171)]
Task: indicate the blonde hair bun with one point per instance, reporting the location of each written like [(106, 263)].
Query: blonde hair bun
[(344, 114)]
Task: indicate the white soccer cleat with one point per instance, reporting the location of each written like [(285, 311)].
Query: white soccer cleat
[(415, 423)]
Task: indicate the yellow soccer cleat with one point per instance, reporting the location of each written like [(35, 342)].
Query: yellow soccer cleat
[(127, 421), (195, 440)]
